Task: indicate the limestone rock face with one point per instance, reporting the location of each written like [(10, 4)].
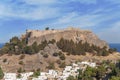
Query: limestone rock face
[(70, 34), (50, 49)]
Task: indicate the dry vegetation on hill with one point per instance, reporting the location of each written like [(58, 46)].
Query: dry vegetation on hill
[(53, 49)]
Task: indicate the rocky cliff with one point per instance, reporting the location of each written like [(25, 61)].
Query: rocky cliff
[(74, 34)]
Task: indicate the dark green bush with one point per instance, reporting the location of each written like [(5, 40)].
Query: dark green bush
[(62, 65), (45, 55), (21, 62), (81, 48), (51, 66), (55, 54), (22, 56), (4, 60), (62, 57)]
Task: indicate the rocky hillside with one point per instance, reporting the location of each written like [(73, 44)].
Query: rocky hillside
[(69, 34), (53, 49)]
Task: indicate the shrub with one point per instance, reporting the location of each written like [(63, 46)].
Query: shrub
[(19, 75), (45, 55), (59, 53), (1, 73), (51, 66), (62, 65), (21, 62), (71, 78), (28, 50), (22, 56), (52, 41), (38, 69), (14, 41), (55, 54), (36, 73), (62, 57), (35, 47), (20, 70), (43, 45), (5, 60), (41, 53), (58, 62), (80, 48)]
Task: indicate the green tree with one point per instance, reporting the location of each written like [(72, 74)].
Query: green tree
[(101, 71), (1, 73), (55, 54), (62, 65), (19, 75), (115, 78), (111, 50), (51, 66), (28, 50), (43, 45), (47, 28), (71, 78), (45, 55), (80, 48), (14, 41), (35, 47), (52, 41), (62, 57), (88, 74), (105, 53), (20, 70), (36, 73), (5, 49)]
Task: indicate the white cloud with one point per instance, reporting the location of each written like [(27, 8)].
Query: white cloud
[(64, 14), (86, 1), (28, 13), (67, 18), (5, 11), (41, 13), (114, 1), (39, 2), (29, 10), (111, 34), (84, 21), (44, 10)]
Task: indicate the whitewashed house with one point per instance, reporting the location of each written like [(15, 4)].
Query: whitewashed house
[(10, 76)]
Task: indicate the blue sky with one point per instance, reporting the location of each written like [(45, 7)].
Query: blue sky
[(100, 16)]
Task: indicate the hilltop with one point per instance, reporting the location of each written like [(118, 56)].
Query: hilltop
[(53, 49), (74, 34)]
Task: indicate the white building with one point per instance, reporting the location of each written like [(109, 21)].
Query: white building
[(10, 76), (52, 74), (88, 63)]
